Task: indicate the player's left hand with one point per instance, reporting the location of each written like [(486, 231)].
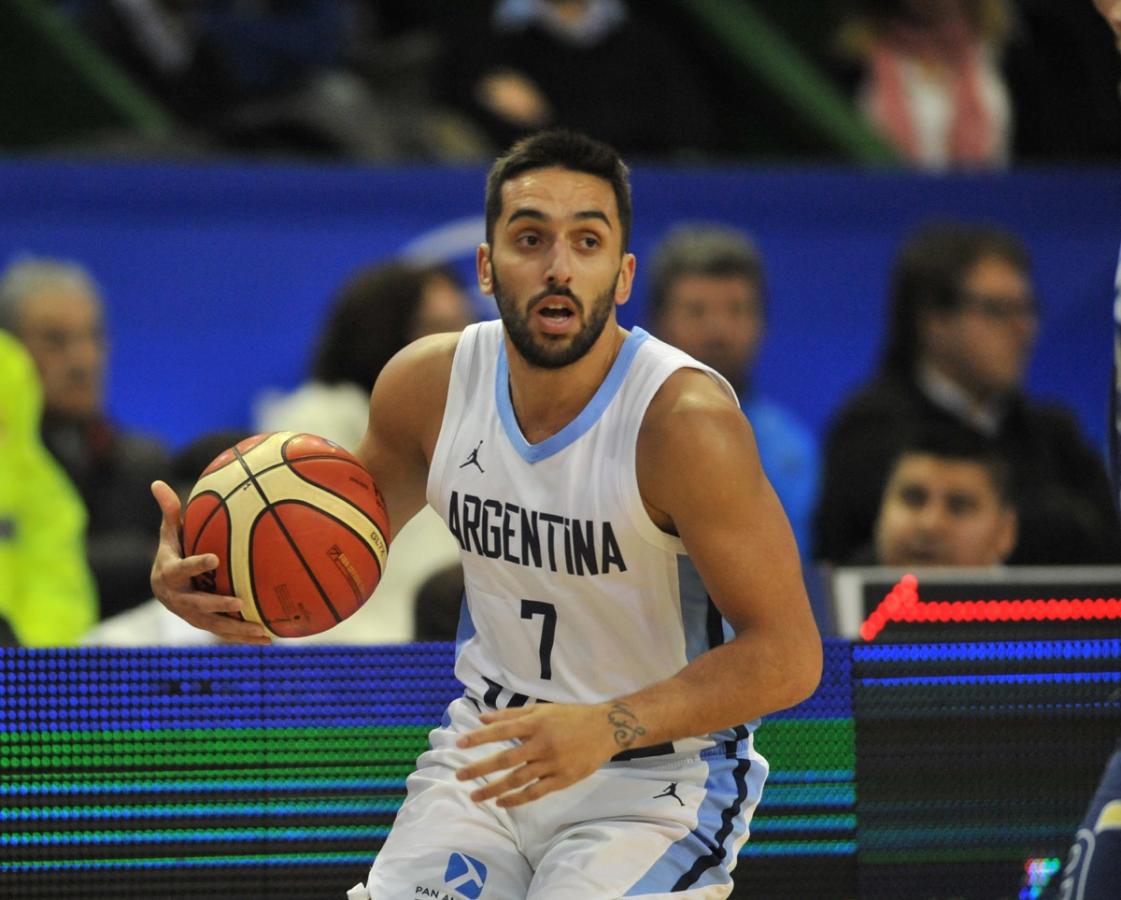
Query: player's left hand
[(558, 744)]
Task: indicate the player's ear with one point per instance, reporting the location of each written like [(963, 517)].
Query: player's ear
[(624, 281), (483, 269)]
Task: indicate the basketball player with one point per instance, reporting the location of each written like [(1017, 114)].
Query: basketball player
[(600, 748)]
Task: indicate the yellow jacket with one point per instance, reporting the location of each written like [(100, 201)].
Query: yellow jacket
[(47, 594)]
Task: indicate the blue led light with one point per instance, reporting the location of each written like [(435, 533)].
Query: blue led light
[(993, 678), (976, 651)]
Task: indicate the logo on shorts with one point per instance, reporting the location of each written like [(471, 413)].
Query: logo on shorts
[(670, 791), (466, 875)]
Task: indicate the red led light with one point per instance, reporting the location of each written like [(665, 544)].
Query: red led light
[(903, 604)]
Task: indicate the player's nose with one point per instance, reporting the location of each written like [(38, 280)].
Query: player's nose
[(559, 263)]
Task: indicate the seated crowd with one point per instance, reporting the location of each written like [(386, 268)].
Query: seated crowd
[(941, 458)]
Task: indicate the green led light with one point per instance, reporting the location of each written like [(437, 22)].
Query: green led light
[(816, 744)]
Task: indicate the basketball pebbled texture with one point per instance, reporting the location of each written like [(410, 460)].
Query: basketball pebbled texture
[(299, 528)]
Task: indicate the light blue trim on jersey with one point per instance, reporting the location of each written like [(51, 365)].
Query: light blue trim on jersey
[(588, 416), (694, 608), (465, 630), (704, 856)]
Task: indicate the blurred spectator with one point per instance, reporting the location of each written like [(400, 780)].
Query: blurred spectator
[(151, 623), (927, 77), (962, 324), (948, 502), (596, 66), (1063, 72), (166, 49), (46, 592), (708, 297), (295, 77), (54, 308), (376, 313)]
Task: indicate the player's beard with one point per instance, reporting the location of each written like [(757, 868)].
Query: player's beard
[(546, 353)]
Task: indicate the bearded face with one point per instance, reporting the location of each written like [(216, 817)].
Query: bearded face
[(546, 350)]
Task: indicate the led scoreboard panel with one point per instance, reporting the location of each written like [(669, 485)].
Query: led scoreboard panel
[(1016, 603), (936, 768), (985, 703)]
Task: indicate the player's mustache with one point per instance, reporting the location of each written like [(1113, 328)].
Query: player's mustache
[(558, 291)]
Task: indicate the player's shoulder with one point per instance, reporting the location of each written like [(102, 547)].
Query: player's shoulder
[(692, 413), (688, 397), (412, 389), (426, 362)]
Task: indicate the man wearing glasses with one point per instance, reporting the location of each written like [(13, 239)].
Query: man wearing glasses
[(961, 328)]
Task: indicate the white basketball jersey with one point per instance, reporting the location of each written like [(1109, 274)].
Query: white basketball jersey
[(572, 593)]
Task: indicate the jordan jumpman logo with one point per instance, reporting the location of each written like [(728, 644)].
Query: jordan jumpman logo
[(473, 459), (670, 791)]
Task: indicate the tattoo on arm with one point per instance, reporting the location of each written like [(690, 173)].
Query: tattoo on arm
[(625, 723)]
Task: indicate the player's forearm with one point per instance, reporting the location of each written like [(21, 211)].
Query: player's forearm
[(734, 683)]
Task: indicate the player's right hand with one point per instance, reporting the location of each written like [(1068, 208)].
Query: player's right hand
[(172, 581)]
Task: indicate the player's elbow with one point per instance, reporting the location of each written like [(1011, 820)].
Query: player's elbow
[(800, 670), (806, 671)]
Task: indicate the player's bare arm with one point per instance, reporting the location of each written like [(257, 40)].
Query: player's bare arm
[(406, 410), (700, 477)]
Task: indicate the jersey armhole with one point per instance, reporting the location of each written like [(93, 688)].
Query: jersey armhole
[(628, 479), (461, 361)]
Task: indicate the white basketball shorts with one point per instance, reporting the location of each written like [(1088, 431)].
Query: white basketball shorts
[(641, 828)]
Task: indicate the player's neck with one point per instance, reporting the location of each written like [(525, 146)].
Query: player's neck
[(546, 400)]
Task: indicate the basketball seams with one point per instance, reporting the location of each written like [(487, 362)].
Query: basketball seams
[(329, 502), (273, 473), (229, 492), (325, 489), (221, 505), (273, 507), (324, 529), (270, 508), (347, 459)]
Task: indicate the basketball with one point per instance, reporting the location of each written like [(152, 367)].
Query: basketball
[(299, 528)]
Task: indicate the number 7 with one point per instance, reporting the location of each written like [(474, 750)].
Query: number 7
[(548, 613)]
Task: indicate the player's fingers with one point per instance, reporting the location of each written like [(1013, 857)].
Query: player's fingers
[(215, 614), (169, 505), (498, 762), (191, 566), (205, 604), (503, 715), (511, 728), (237, 630), (537, 789), (519, 777)]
